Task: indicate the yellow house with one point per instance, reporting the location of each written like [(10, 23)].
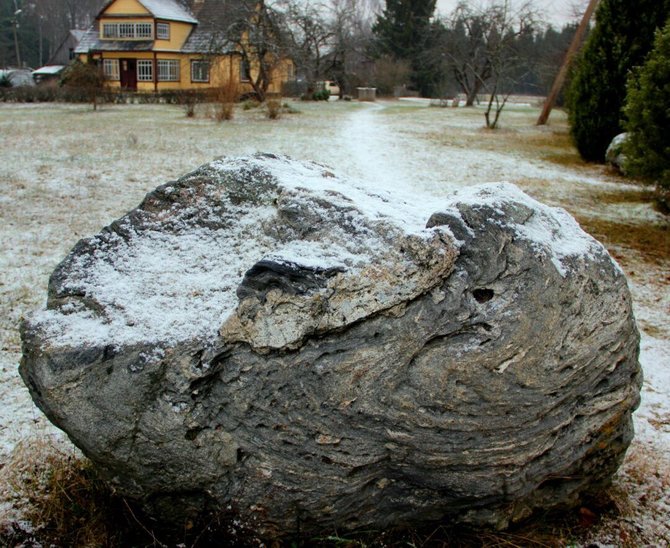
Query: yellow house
[(154, 45)]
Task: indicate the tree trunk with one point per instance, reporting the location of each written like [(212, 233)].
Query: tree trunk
[(569, 56), (471, 96)]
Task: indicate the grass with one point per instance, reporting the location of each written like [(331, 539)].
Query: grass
[(652, 241)]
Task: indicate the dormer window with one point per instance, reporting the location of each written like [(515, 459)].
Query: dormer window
[(163, 31), (127, 31)]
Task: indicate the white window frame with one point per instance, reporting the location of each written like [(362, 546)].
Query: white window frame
[(144, 31), (203, 65), (162, 31), (145, 70), (127, 31), (110, 68), (110, 30), (167, 70)]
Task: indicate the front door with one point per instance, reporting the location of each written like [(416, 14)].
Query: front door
[(128, 74)]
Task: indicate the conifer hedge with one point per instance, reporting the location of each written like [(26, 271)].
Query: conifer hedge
[(621, 39)]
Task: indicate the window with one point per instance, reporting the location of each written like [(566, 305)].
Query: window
[(145, 70), (163, 31), (199, 71), (245, 70), (110, 30), (110, 68), (128, 31), (144, 30), (168, 70)]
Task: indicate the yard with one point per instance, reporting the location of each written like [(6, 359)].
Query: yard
[(66, 171)]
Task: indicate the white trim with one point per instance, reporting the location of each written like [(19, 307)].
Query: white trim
[(200, 62), (145, 70), (162, 35), (167, 70), (110, 68), (127, 31)]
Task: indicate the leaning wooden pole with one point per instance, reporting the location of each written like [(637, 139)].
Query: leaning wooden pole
[(569, 56)]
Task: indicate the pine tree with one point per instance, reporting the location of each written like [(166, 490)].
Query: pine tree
[(621, 39), (647, 148), (404, 32)]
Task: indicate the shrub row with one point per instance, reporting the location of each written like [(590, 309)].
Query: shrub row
[(55, 93)]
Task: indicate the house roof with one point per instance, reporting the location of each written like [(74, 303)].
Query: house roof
[(170, 10), (77, 34), (91, 42), (214, 32), (49, 69)]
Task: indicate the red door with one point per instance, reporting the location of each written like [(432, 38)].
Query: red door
[(128, 73)]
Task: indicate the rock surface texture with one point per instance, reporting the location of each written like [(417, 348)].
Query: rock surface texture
[(264, 338)]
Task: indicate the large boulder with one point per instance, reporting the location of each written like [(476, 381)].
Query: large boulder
[(266, 339)]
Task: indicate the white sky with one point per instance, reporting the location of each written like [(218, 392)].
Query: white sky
[(557, 12)]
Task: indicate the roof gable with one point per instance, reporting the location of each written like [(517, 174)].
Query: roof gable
[(169, 10)]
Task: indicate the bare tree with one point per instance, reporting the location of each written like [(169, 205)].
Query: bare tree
[(479, 46), (465, 48), (351, 22), (485, 48), (260, 35), (310, 38), (509, 27)]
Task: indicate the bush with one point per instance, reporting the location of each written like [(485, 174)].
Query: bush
[(188, 99), (250, 104), (319, 95), (620, 40), (225, 98), (87, 79), (274, 108), (647, 148)]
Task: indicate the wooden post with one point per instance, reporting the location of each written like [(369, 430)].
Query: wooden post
[(569, 56)]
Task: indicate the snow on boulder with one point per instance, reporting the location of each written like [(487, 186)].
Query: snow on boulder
[(265, 339), (614, 155)]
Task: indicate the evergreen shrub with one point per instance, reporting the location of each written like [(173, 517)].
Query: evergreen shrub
[(620, 41), (647, 148)]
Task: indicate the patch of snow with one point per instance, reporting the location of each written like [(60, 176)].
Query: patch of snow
[(143, 292), (551, 229), (652, 419), (160, 287)]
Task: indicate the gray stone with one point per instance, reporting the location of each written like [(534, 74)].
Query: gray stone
[(266, 339), (614, 155)]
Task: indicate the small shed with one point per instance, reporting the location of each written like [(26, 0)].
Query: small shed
[(367, 94), (47, 73)]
